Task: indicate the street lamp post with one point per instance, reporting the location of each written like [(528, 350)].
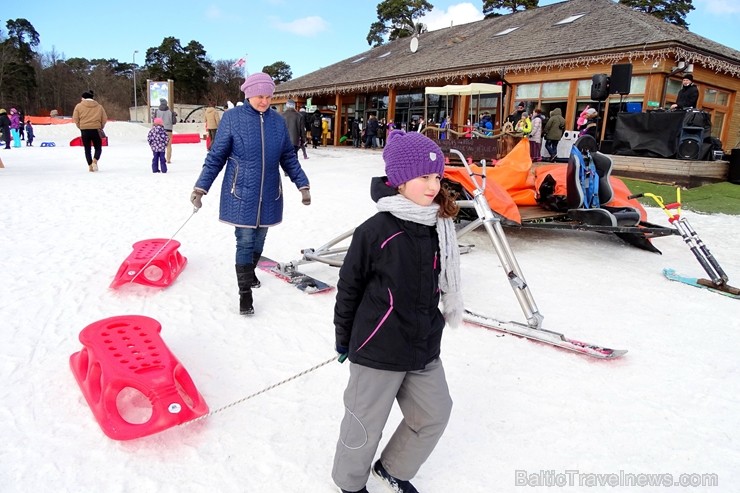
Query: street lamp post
[(136, 107)]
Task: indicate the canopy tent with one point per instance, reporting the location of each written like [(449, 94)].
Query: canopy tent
[(464, 90), (474, 88)]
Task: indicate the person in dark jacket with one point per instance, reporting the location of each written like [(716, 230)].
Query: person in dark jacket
[(387, 320), (296, 125), (29, 134), (553, 132), (688, 96), (356, 133), (253, 143), (371, 133), (316, 128), (5, 127)]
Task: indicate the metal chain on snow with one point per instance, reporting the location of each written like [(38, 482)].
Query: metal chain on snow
[(298, 375), (163, 246)]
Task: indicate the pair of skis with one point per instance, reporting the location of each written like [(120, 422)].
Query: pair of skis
[(288, 273), (718, 279), (533, 328)]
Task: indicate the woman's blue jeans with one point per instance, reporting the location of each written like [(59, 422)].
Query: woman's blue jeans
[(248, 242)]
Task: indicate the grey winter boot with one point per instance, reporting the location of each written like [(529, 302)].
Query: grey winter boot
[(244, 276), (255, 258)]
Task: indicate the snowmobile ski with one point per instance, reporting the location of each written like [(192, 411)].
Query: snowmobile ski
[(724, 289), (287, 273), (542, 335)]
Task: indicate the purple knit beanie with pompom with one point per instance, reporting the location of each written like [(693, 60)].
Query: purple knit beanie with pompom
[(410, 155)]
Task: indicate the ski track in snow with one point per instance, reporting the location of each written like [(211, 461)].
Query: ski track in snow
[(669, 406)]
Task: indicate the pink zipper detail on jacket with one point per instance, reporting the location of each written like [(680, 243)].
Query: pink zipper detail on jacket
[(382, 245), (382, 321)]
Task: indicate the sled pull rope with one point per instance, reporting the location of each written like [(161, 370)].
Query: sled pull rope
[(163, 246), (297, 375)]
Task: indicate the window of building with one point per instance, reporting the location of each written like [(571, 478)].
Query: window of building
[(409, 108), (506, 31), (544, 95), (715, 102), (570, 19)]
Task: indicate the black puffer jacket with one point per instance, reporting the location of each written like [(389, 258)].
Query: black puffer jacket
[(386, 310)]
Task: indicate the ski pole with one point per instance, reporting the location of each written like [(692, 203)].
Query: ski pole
[(690, 237), (195, 209)]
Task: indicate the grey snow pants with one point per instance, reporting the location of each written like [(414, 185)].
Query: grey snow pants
[(425, 403)]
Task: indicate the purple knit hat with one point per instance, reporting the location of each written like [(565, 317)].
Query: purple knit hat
[(410, 155), (259, 84)]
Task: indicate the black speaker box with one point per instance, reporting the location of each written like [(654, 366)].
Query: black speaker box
[(599, 87), (734, 174), (621, 80), (690, 143), (606, 147)]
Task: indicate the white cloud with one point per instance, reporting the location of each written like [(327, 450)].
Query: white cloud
[(461, 13), (719, 6), (307, 26)]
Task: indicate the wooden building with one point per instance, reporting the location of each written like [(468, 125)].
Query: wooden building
[(545, 57)]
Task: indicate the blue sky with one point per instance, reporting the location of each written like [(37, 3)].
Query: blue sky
[(307, 35)]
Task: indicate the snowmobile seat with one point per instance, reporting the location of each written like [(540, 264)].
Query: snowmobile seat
[(155, 262), (588, 188), (132, 382)]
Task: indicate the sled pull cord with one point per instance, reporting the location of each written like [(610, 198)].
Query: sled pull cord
[(163, 246)]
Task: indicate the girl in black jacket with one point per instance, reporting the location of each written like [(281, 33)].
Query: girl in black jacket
[(387, 318)]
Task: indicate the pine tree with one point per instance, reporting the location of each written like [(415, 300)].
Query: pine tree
[(396, 19), (491, 6), (672, 11)]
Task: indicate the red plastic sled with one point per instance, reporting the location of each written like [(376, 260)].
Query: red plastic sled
[(77, 141), (132, 382), (160, 271)]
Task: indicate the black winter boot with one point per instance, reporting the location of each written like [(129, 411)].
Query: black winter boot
[(256, 258), (244, 275)]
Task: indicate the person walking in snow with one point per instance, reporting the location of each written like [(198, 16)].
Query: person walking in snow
[(168, 120), (296, 125), (5, 127), (157, 138), (387, 321), (213, 118), (253, 144), (15, 125), (29, 134), (553, 131), (90, 118)]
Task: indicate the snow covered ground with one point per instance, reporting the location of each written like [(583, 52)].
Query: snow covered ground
[(527, 417)]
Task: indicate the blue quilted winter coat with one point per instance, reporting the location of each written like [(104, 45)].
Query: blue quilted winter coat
[(253, 146)]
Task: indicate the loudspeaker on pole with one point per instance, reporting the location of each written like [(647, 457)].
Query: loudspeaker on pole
[(621, 79), (599, 87)]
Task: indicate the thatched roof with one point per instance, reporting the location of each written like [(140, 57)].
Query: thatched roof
[(608, 32)]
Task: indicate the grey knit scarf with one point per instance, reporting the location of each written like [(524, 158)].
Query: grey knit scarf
[(449, 276)]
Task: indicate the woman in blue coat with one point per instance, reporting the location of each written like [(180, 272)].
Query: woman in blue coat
[(253, 144)]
